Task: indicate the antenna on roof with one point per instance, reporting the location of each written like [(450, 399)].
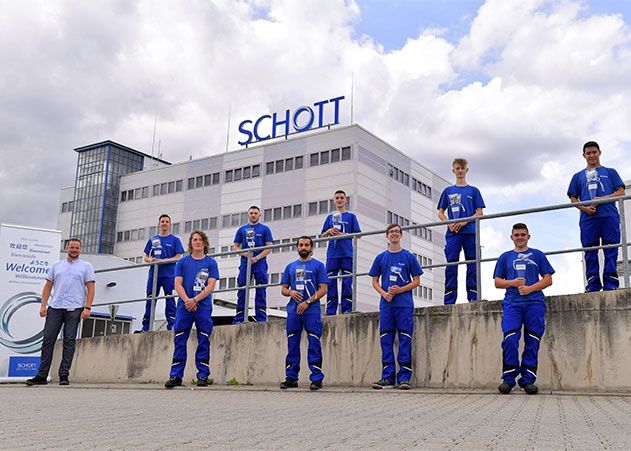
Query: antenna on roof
[(352, 88), (159, 152), (153, 144), (228, 130)]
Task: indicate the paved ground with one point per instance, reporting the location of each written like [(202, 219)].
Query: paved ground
[(149, 417)]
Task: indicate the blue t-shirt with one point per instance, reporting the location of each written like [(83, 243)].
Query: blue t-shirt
[(461, 202), (528, 264), (305, 277), (162, 247), (195, 274), (346, 222), (396, 268), (596, 182), (256, 235)]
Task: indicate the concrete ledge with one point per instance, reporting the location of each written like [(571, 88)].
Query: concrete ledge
[(586, 346)]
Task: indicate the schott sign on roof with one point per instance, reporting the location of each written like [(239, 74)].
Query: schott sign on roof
[(299, 120)]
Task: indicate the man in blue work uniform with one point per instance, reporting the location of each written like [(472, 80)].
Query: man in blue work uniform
[(400, 272), (304, 281), (195, 279), (599, 224), (163, 247), (253, 234), (460, 201), (518, 272), (339, 253)]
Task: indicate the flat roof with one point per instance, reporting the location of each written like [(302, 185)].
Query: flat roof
[(120, 146)]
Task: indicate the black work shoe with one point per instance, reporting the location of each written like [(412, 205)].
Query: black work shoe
[(288, 383), (505, 388), (37, 380), (315, 386), (63, 380), (382, 384), (405, 385), (202, 382), (173, 382), (531, 389)]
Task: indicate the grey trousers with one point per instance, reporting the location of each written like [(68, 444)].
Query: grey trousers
[(55, 319)]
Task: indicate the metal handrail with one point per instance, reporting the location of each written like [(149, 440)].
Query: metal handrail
[(623, 245)]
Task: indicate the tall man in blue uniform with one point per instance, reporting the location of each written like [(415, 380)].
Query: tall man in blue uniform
[(599, 224), (518, 272), (195, 279), (400, 272), (339, 253), (253, 234), (460, 201), (167, 248), (304, 281)]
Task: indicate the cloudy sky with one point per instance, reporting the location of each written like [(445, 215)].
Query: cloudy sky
[(515, 86)]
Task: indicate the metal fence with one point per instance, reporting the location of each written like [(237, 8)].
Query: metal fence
[(355, 237)]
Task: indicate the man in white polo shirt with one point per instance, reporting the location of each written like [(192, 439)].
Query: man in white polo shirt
[(71, 282)]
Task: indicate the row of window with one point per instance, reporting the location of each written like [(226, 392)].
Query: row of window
[(424, 292), (67, 207), (421, 188), (424, 261), (399, 175), (330, 156), (422, 232), (131, 235), (288, 164), (234, 175)]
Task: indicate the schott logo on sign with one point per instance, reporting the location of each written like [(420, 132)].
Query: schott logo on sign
[(301, 119)]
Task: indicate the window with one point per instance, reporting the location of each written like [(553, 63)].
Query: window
[(232, 282), (314, 159), (346, 153), (207, 180), (313, 208), (256, 170), (234, 220), (276, 249), (119, 237), (335, 155), (212, 223), (196, 224), (145, 192), (163, 188), (286, 248), (216, 178), (199, 181), (287, 212), (171, 187), (297, 211), (247, 172), (130, 194), (289, 164), (324, 207), (179, 185), (267, 215), (277, 214), (228, 177), (225, 221), (324, 157), (188, 225), (126, 235), (274, 277), (134, 235), (175, 228), (237, 174), (406, 180), (123, 199), (71, 205), (224, 249), (152, 230), (204, 224), (269, 168), (137, 193), (244, 218), (298, 162), (279, 166), (222, 283), (191, 183), (156, 190)]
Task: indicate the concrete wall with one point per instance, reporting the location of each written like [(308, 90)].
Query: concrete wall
[(587, 345)]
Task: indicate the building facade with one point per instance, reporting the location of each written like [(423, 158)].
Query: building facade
[(292, 180)]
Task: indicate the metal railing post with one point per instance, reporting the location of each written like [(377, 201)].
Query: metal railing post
[(354, 285), (478, 258), (154, 288), (623, 242), (246, 297)]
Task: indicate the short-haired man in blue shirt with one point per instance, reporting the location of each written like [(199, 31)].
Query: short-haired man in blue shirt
[(71, 282), (195, 278), (400, 272), (253, 234), (304, 282), (460, 200), (599, 224), (339, 253), (163, 247), (519, 271)]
